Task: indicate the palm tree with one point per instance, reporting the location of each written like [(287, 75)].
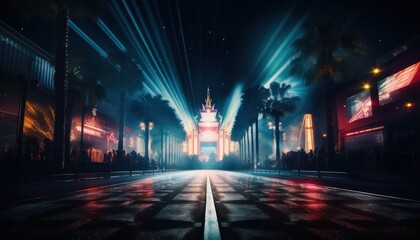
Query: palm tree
[(124, 76), (169, 120), (82, 91), (238, 133), (321, 52), (277, 106), (59, 11), (157, 110), (145, 109), (254, 100)]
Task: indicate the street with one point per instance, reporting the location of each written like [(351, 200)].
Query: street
[(178, 205)]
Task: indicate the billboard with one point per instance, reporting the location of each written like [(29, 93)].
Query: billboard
[(359, 106), (389, 89)]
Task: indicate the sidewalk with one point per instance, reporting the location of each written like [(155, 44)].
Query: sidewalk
[(388, 185), (64, 184)]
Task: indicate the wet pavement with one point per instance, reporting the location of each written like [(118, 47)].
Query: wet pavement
[(256, 207), (173, 206), (159, 207)]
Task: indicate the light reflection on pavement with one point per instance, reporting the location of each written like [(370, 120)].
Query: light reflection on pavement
[(268, 208), (159, 207), (172, 206)]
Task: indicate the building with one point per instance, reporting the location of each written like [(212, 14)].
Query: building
[(22, 61), (208, 140), (378, 118)]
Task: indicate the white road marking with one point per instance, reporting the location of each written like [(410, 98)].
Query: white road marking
[(211, 225)]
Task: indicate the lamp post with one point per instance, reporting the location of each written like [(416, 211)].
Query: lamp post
[(26, 85), (146, 127), (271, 125), (324, 140)]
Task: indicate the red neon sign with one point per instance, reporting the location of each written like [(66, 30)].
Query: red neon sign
[(364, 131), (112, 138)]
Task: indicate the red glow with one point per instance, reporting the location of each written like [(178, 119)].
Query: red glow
[(111, 137), (311, 186), (364, 131), (388, 87)]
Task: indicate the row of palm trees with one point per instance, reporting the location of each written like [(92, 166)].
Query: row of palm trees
[(272, 103), (80, 82), (89, 86), (321, 54), (321, 51), (155, 109)]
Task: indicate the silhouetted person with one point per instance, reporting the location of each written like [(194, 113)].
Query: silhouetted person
[(47, 148)]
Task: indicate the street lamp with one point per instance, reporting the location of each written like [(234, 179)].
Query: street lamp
[(146, 127), (271, 125), (376, 70)]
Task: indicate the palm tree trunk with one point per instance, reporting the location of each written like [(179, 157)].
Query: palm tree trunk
[(146, 147), (161, 148), (245, 151), (166, 150), (257, 143), (59, 85), (249, 148), (240, 151), (121, 128), (329, 105), (277, 133), (82, 128), (171, 149), (69, 116), (19, 137), (252, 147)]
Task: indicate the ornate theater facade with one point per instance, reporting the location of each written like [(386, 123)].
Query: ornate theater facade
[(208, 140)]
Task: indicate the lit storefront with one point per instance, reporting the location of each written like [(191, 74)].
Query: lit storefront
[(378, 118), (23, 61)]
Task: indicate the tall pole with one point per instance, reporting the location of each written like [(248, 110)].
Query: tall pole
[(120, 153), (252, 147), (19, 139), (277, 128), (146, 147), (257, 143), (161, 148)]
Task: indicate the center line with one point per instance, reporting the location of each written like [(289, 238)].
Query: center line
[(211, 225)]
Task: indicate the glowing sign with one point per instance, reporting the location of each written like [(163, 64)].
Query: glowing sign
[(90, 131), (388, 87), (359, 106), (112, 138), (364, 131)]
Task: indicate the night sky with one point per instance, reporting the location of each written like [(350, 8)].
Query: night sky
[(223, 43)]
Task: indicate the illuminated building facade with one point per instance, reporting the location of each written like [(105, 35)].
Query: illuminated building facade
[(208, 140), (378, 118), (19, 56), (21, 59)]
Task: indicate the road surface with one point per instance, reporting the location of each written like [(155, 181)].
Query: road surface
[(211, 204)]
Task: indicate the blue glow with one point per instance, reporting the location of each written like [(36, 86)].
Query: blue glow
[(151, 47), (273, 37), (234, 103), (274, 77), (185, 51), (85, 37), (111, 35), (277, 62)]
